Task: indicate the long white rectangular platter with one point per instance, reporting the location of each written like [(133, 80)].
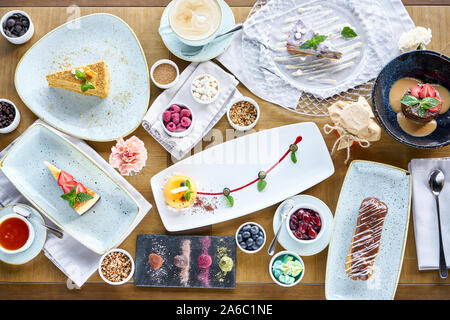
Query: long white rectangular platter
[(99, 229), (237, 162), (391, 185)]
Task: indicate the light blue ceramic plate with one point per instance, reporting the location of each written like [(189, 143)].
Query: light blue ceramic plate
[(211, 50), (85, 40), (99, 229), (303, 249), (40, 235), (392, 186)]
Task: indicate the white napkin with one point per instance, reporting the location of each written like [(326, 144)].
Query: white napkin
[(250, 59), (76, 261), (425, 214), (206, 116)]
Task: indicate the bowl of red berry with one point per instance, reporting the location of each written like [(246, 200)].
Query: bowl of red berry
[(305, 224), (177, 120)]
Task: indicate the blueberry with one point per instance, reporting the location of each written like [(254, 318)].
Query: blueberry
[(243, 245), (182, 184), (261, 234), (254, 236), (239, 238), (250, 242), (246, 227), (246, 234), (254, 230), (255, 246), (260, 241)]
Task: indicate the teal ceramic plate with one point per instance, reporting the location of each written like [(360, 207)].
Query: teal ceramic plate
[(391, 185), (100, 228), (86, 40), (211, 50), (303, 249), (40, 235)]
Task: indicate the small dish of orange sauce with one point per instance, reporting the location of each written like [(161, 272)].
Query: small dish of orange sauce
[(15, 234)]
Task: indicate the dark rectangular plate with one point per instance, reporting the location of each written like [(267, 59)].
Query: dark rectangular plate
[(168, 275)]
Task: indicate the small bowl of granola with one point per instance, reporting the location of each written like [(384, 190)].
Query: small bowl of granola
[(243, 113), (116, 267)]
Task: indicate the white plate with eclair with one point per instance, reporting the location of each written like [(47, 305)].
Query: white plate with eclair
[(367, 245)]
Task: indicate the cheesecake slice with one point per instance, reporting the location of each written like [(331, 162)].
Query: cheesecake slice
[(303, 40), (66, 182), (96, 73)]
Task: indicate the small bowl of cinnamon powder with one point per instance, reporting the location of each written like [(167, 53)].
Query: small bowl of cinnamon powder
[(164, 73)]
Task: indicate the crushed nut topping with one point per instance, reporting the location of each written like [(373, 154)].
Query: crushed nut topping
[(116, 266), (243, 113)]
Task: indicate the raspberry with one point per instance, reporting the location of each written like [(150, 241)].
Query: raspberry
[(174, 108), (166, 116), (186, 122), (175, 118), (171, 126), (185, 113)]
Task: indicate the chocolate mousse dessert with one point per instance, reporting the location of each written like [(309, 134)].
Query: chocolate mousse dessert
[(303, 40), (421, 103)]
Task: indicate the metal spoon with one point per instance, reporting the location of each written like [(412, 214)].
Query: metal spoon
[(288, 205), (436, 185), (26, 213), (197, 50)]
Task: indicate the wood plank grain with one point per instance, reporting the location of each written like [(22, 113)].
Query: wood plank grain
[(252, 274), (159, 3), (268, 291)]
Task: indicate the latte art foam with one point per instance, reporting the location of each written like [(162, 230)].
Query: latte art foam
[(195, 19)]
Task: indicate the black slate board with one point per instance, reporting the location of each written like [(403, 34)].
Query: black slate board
[(169, 275)]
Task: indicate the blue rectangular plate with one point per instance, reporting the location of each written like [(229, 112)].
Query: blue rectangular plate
[(391, 185), (99, 229)]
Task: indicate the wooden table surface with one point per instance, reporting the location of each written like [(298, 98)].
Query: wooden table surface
[(41, 279)]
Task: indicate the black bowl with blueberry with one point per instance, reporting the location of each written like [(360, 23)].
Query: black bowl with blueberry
[(250, 237)]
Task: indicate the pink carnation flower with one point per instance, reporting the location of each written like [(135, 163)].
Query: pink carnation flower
[(128, 156)]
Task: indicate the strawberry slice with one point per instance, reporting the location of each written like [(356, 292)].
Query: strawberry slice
[(427, 91), (438, 107), (80, 188), (415, 91), (67, 187), (64, 178)]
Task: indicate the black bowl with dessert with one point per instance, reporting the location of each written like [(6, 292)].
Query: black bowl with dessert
[(411, 99)]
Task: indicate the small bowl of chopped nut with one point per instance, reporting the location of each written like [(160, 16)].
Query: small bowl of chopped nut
[(243, 113), (116, 267), (205, 89)]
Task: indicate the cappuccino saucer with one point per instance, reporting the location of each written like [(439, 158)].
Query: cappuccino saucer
[(40, 236), (209, 51)]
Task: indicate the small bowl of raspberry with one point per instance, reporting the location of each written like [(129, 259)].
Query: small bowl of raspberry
[(305, 224), (177, 120)]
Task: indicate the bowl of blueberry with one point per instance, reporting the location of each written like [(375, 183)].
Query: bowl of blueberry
[(177, 120), (250, 237), (304, 224)]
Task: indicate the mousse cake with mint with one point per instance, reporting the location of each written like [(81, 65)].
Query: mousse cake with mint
[(91, 79)]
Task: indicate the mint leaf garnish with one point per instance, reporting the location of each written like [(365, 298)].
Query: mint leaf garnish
[(86, 85), (409, 100), (80, 75), (424, 104), (262, 185), (230, 200), (348, 32), (293, 157), (314, 42), (83, 197), (73, 197), (187, 195), (187, 183)]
